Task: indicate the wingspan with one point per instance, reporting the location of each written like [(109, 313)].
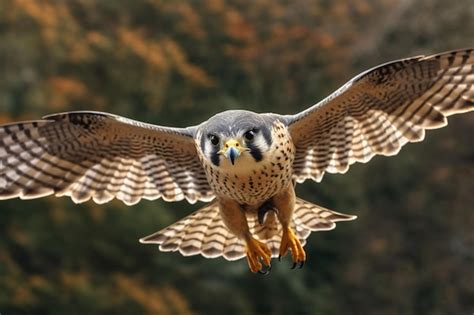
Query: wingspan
[(100, 156), (380, 110)]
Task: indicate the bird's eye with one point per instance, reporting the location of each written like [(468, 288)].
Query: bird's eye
[(249, 135), (214, 139)]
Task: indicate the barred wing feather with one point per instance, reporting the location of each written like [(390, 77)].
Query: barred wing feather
[(100, 156), (380, 110)]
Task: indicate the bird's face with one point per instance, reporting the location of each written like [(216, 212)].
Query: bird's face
[(234, 138)]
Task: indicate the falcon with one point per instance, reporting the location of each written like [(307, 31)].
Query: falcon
[(244, 164)]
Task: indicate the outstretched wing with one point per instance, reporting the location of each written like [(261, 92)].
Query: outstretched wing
[(380, 110), (100, 156)]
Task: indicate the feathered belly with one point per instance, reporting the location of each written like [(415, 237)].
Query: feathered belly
[(253, 187)]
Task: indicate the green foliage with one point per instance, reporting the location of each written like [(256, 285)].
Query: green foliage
[(179, 62)]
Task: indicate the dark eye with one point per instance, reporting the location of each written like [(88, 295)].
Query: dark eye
[(214, 139), (249, 135)]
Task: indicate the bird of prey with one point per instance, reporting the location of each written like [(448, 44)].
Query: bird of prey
[(244, 164)]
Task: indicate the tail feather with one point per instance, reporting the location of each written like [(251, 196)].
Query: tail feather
[(204, 232), (215, 239), (317, 218)]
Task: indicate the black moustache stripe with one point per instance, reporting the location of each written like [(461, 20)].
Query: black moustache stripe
[(215, 157), (255, 152)]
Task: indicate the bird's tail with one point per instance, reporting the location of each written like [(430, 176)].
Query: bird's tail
[(307, 218), (204, 232)]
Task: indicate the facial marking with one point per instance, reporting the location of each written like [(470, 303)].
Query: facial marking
[(251, 130), (215, 158), (255, 152)]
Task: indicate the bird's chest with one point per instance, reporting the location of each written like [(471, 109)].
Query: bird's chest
[(253, 182)]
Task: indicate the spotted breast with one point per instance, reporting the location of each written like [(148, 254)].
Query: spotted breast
[(251, 182)]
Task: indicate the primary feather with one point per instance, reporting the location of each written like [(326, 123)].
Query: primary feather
[(380, 110), (100, 156)]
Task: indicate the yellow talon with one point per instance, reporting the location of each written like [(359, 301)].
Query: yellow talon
[(289, 241), (257, 252)]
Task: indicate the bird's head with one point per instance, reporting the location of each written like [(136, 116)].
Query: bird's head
[(236, 137)]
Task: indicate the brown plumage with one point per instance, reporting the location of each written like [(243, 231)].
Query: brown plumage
[(248, 162)]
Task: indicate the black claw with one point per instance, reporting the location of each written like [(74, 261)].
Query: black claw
[(265, 270), (279, 258), (299, 264)]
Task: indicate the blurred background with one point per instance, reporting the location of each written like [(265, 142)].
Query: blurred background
[(176, 63)]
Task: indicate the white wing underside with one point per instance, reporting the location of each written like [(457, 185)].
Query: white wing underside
[(99, 156), (381, 110)]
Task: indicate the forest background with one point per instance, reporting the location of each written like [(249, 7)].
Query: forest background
[(176, 63)]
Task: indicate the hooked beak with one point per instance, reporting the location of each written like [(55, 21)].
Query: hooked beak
[(232, 150), (232, 153)]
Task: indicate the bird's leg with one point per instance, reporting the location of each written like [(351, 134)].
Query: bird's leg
[(285, 203), (258, 253), (290, 241), (263, 211)]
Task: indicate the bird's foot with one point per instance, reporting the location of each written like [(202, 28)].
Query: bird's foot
[(258, 256), (289, 241)]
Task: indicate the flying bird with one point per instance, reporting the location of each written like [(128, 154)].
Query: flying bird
[(244, 164)]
